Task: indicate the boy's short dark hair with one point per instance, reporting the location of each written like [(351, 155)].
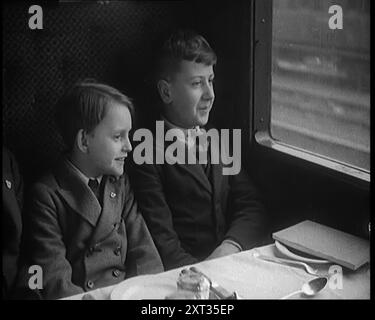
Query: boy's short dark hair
[(183, 44), (84, 106)]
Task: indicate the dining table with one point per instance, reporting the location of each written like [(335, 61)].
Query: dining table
[(249, 277)]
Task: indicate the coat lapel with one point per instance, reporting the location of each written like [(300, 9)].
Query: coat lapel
[(195, 170), (216, 170), (76, 194)]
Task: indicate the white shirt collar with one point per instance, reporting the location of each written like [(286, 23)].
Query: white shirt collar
[(184, 135)]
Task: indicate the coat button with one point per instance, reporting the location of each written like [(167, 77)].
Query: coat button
[(90, 284), (9, 184), (112, 195), (117, 251), (116, 273)]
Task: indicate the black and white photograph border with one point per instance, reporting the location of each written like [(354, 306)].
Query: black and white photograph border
[(287, 111)]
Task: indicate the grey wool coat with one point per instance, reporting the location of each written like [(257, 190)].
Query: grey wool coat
[(79, 244)]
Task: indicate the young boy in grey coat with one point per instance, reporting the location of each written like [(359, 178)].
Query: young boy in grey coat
[(84, 228)]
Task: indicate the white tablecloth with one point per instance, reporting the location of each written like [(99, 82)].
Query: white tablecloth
[(253, 278)]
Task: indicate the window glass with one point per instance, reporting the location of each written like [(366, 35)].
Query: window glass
[(321, 78)]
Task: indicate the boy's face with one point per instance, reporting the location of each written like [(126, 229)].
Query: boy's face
[(108, 143), (192, 94)]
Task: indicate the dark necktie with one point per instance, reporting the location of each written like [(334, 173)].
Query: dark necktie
[(94, 186), (206, 166)]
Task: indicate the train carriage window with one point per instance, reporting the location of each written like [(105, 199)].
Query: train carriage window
[(320, 78)]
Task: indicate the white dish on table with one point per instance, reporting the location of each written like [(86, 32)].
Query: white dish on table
[(286, 252), (142, 288)]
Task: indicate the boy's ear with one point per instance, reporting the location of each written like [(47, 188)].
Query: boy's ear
[(82, 141), (165, 91)]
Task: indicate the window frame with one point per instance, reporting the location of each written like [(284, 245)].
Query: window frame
[(262, 15)]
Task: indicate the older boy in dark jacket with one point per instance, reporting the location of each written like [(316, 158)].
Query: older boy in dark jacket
[(194, 211)]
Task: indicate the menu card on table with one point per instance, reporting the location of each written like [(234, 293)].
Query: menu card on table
[(327, 243)]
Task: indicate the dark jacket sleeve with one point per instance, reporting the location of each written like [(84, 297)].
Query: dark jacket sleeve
[(11, 221), (142, 256), (148, 187), (247, 215), (45, 244)]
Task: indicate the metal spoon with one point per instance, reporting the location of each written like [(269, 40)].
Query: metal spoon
[(308, 269), (310, 288)]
